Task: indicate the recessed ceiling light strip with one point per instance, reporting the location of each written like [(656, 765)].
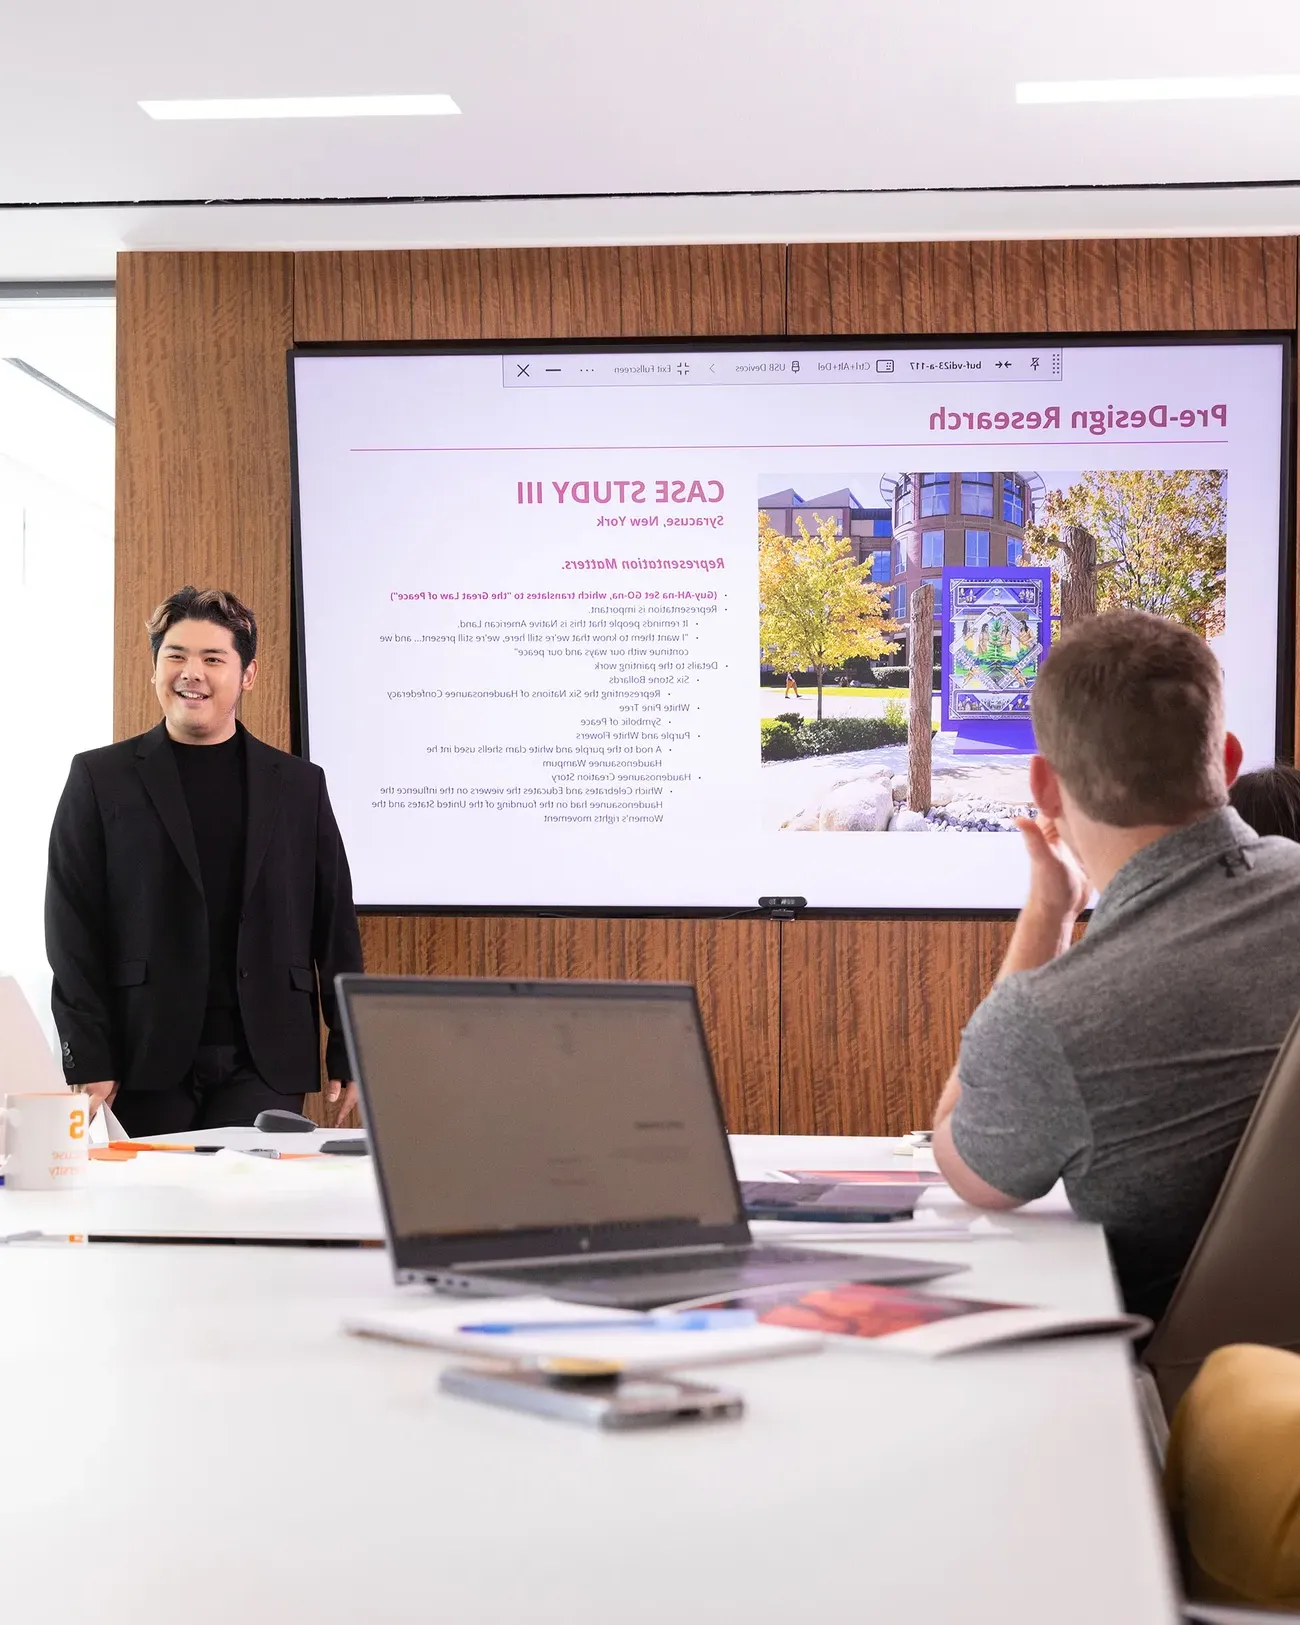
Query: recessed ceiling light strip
[(1222, 87), (277, 107)]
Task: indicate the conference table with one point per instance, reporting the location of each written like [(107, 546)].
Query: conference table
[(186, 1433)]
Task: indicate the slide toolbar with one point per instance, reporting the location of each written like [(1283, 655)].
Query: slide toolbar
[(704, 369)]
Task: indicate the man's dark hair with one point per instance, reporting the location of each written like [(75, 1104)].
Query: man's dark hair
[(208, 604), (1269, 801), (1128, 708)]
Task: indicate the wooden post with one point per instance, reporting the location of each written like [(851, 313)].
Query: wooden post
[(1079, 578), (920, 690)]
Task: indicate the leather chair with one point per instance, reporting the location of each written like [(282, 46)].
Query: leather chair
[(1242, 1282)]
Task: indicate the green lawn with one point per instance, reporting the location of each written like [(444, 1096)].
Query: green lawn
[(807, 690)]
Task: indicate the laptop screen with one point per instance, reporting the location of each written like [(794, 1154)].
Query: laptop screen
[(543, 1107)]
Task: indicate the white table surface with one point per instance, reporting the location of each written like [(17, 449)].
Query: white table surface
[(171, 1193), (186, 1434)]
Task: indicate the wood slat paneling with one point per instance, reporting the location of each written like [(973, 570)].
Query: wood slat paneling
[(773, 267), (871, 1015), (446, 294), (1242, 282), (203, 459), (376, 297), (317, 297), (516, 293), (656, 292), (736, 289), (586, 292), (845, 288), (938, 288), (1281, 305), (1082, 287), (1009, 284), (808, 287), (734, 965), (1155, 285)]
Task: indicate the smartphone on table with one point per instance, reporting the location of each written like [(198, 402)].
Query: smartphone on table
[(616, 1403)]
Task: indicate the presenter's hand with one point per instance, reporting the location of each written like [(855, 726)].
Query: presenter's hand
[(342, 1096), (1058, 887), (100, 1094)]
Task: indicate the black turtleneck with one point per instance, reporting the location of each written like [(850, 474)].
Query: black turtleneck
[(215, 781)]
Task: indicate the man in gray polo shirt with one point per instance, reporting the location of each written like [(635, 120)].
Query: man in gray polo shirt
[(1129, 1063)]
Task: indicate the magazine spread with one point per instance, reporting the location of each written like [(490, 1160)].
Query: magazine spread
[(900, 1320)]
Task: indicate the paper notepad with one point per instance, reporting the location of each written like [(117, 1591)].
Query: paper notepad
[(435, 1324)]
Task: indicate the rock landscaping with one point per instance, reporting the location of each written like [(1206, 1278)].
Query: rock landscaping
[(875, 799)]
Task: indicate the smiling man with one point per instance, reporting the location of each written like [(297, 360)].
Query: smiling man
[(198, 904)]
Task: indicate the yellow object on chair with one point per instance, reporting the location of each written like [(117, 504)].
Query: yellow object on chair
[(1232, 1478)]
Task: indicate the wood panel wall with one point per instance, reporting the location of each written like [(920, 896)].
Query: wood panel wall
[(202, 459), (820, 1026)]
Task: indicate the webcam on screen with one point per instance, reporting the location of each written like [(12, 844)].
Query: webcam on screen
[(782, 908)]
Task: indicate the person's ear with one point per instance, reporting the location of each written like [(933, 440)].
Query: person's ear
[(249, 676), (1232, 758), (1045, 787)]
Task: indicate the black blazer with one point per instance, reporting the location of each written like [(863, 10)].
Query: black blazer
[(126, 923)]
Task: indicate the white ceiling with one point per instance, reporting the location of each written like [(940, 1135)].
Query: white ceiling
[(580, 99)]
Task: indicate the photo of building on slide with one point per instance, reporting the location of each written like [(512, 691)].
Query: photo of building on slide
[(903, 618)]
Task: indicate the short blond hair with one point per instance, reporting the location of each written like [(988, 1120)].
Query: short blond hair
[(1128, 709)]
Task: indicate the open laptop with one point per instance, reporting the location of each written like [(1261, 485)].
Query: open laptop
[(562, 1138)]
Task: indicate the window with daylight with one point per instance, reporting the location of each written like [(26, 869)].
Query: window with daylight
[(56, 576), (1015, 550), (936, 495), (977, 547), (880, 565), (1013, 500), (977, 495), (903, 501), (900, 557), (932, 549)]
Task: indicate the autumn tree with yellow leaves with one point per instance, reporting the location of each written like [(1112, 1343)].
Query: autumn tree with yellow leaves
[(1147, 539), (817, 606)]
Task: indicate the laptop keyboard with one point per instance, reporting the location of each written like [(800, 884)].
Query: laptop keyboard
[(723, 1270)]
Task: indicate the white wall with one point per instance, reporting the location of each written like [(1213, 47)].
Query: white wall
[(56, 595)]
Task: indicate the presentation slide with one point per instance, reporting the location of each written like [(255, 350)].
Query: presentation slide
[(633, 628)]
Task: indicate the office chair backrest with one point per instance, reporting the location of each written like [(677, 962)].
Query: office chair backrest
[(1242, 1282)]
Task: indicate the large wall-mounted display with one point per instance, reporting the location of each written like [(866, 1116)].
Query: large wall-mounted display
[(533, 586)]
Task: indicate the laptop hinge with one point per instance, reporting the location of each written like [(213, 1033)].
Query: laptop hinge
[(590, 1258)]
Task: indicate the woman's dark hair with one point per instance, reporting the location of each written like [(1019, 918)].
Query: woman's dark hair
[(1269, 801), (209, 604)]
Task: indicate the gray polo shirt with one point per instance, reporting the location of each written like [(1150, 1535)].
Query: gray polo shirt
[(1130, 1065)]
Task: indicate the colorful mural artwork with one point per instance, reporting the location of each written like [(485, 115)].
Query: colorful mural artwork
[(996, 629)]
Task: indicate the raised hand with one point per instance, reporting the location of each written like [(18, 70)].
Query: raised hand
[(1058, 887)]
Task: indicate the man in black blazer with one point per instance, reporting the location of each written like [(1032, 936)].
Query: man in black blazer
[(198, 904)]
